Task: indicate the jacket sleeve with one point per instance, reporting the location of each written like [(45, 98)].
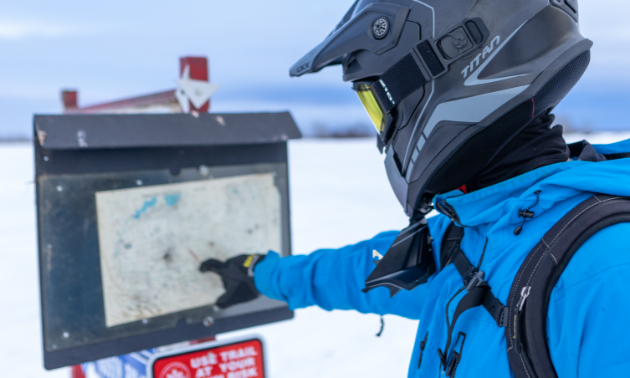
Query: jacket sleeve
[(333, 279), (588, 311)]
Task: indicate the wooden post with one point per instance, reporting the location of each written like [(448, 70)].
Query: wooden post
[(70, 100), (77, 372)]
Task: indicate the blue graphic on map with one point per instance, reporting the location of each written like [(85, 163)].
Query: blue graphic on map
[(146, 206)]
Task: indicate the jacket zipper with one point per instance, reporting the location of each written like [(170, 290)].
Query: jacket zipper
[(525, 292), (423, 345)]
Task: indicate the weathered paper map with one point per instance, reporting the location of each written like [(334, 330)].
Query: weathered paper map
[(152, 240)]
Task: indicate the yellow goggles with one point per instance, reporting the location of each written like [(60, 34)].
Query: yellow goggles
[(368, 99)]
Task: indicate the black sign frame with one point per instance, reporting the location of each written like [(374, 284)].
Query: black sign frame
[(88, 145)]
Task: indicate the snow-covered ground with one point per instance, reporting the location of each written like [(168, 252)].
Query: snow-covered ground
[(339, 195)]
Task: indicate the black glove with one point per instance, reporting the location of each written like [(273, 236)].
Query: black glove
[(237, 275)]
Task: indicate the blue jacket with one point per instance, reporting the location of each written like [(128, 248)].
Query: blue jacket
[(586, 328)]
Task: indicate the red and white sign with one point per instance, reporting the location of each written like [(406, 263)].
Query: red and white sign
[(240, 359)]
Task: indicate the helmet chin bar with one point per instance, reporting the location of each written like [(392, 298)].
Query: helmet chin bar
[(401, 189)]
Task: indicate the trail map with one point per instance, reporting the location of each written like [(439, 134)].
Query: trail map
[(152, 240)]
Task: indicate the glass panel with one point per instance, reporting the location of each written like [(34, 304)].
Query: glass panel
[(109, 240)]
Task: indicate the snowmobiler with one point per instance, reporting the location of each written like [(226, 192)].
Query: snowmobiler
[(523, 272)]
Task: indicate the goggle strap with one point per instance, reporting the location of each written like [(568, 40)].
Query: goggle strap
[(398, 82)]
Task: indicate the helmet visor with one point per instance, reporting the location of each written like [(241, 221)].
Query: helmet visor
[(371, 105)]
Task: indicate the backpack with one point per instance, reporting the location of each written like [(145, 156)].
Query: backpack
[(525, 313)]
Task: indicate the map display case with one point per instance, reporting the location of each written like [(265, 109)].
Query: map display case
[(129, 205)]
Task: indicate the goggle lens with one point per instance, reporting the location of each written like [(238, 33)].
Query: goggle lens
[(368, 99)]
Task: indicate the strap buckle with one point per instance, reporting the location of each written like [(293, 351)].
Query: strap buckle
[(476, 279), (504, 317)]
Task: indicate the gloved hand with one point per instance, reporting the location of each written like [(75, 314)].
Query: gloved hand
[(237, 275)]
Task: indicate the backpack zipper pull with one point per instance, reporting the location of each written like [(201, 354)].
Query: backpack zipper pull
[(524, 294)]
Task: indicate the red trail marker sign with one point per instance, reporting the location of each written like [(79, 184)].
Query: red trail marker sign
[(241, 359)]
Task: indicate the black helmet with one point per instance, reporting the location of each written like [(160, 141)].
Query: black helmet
[(449, 83)]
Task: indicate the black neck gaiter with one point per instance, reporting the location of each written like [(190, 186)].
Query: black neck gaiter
[(535, 146)]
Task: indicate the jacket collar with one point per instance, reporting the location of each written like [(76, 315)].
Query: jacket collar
[(494, 202), (501, 202)]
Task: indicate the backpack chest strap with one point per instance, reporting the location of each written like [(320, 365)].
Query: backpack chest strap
[(478, 293)]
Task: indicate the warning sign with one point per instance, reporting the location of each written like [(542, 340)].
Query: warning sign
[(243, 359)]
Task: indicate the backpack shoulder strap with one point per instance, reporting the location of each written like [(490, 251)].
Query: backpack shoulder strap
[(478, 293), (451, 241), (528, 301)]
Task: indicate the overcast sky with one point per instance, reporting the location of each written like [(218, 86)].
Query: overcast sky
[(116, 49)]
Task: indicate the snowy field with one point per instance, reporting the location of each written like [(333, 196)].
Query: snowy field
[(340, 195)]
